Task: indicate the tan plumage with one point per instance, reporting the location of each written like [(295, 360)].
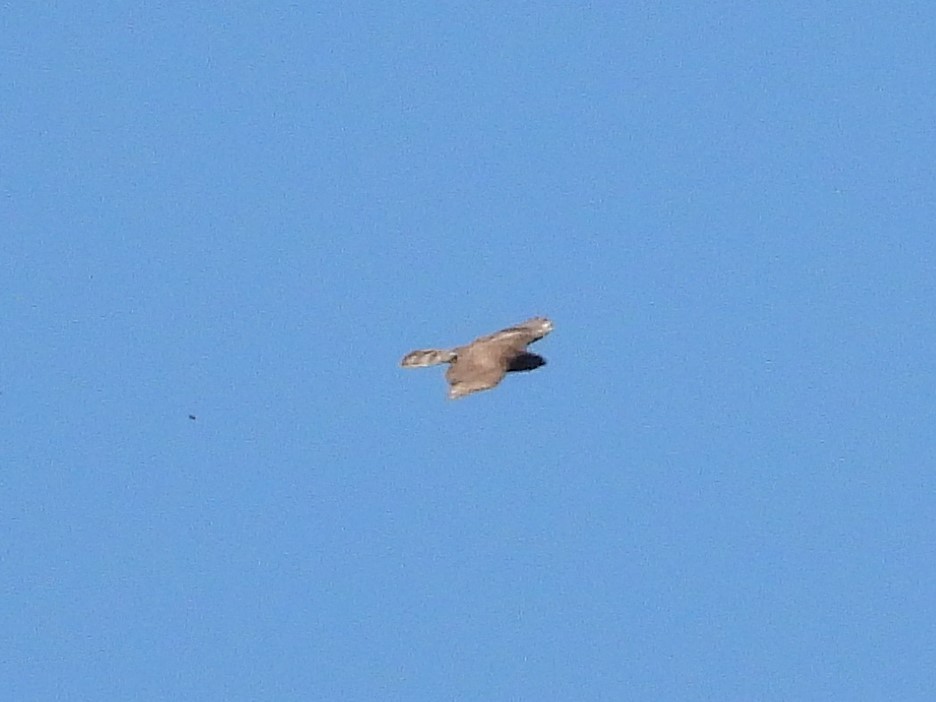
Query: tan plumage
[(483, 363)]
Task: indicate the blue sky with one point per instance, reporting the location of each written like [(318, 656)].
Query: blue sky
[(719, 488)]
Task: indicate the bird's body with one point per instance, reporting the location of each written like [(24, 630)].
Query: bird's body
[(482, 364)]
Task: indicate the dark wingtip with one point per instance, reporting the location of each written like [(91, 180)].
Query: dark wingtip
[(526, 362)]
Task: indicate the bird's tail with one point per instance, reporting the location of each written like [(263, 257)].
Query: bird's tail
[(427, 357)]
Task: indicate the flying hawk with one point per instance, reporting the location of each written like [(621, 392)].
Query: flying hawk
[(483, 363)]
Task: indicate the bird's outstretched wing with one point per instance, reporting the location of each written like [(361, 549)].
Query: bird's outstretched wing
[(483, 363), (520, 336)]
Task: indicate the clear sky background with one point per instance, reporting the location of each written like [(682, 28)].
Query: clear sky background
[(721, 487)]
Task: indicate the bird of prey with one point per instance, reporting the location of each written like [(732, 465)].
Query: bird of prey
[(483, 363)]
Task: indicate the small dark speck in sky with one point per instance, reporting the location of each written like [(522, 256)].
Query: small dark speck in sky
[(192, 417)]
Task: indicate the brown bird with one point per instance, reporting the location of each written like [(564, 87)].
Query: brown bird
[(483, 363)]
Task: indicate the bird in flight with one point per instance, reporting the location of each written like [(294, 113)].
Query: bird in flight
[(484, 362)]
